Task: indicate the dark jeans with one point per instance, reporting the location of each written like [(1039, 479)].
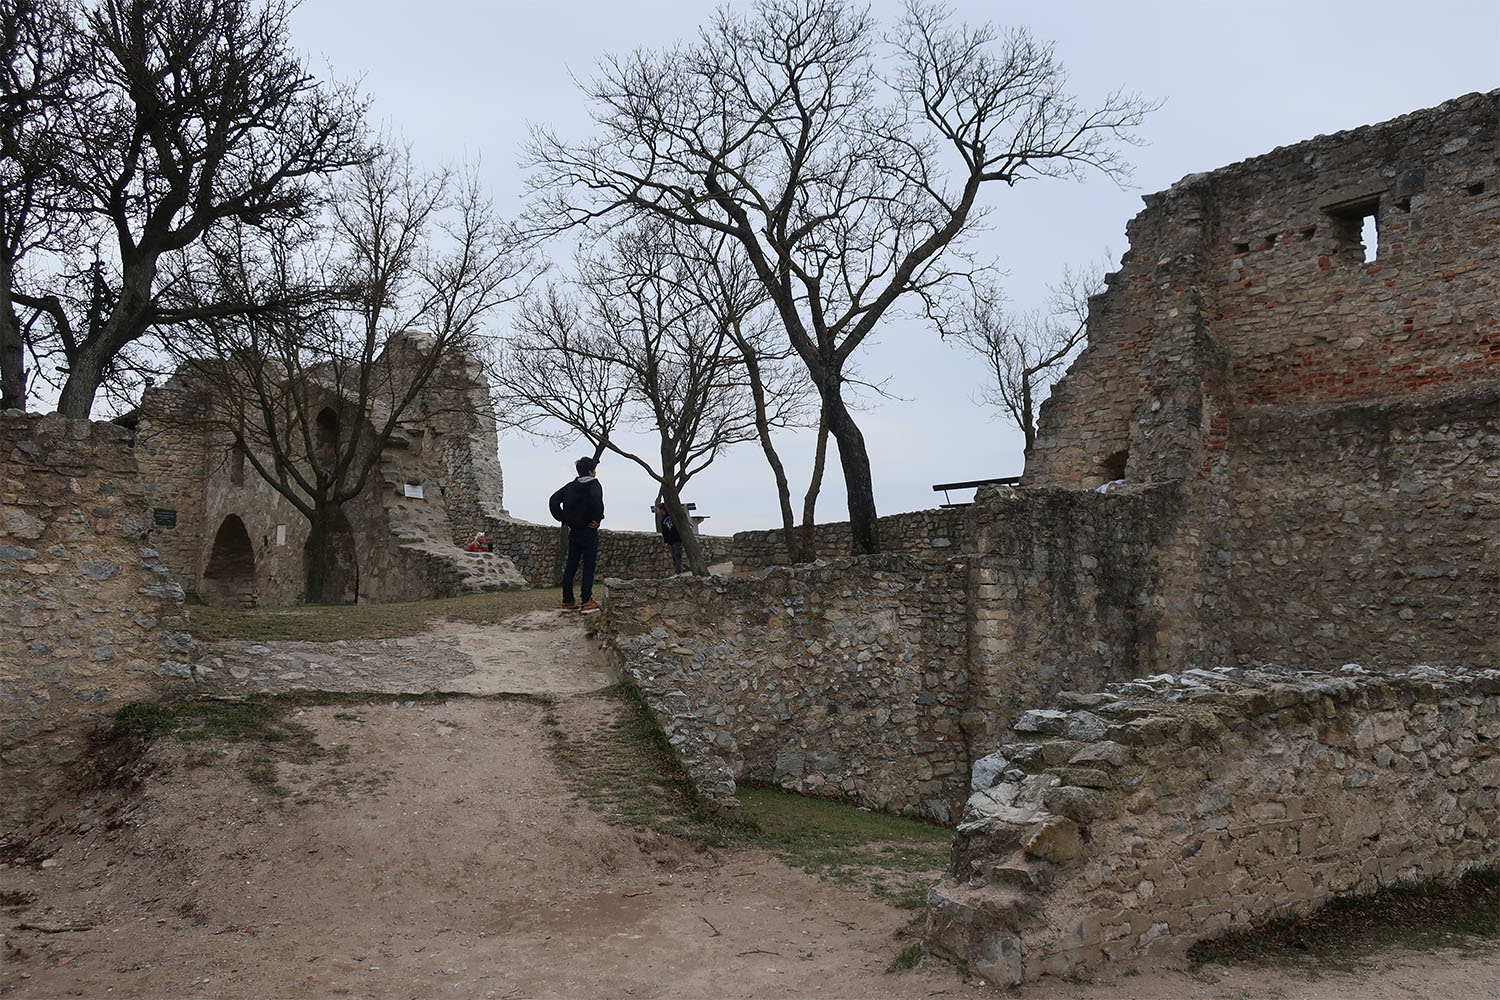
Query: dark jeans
[(583, 548), (676, 548)]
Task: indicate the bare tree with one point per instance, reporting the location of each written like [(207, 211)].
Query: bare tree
[(39, 64), (846, 166), (654, 347), (1025, 354), (312, 377), (724, 283), (188, 117), (550, 375)]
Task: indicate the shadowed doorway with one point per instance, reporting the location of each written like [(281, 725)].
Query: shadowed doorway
[(229, 577)]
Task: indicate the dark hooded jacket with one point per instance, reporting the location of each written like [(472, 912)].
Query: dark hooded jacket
[(579, 503)]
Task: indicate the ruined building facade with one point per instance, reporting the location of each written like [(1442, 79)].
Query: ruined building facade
[(229, 536), (1260, 668), (1328, 403)]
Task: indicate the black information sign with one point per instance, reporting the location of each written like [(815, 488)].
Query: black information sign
[(164, 517)]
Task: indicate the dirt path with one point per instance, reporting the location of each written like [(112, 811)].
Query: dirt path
[(442, 854)]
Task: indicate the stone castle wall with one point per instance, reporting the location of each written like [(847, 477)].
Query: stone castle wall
[(1366, 532), (1066, 593), (843, 680), (1248, 286), (932, 534), (624, 555), (90, 618), (868, 678), (1332, 420), (1137, 821), (394, 547)]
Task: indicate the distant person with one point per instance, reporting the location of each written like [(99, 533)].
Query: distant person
[(670, 536), (580, 505), (479, 544)]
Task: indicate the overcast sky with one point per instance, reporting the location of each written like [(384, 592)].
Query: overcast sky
[(462, 81)]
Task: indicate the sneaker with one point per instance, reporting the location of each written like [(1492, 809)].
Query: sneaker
[(570, 605), (589, 606)]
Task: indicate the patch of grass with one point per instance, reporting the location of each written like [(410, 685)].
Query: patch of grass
[(629, 774), (906, 958), (1424, 915), (891, 856), (333, 622)]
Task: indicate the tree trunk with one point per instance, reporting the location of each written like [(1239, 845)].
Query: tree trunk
[(691, 548), (85, 371), (316, 557), (807, 549), (12, 355), (855, 461), (1028, 420)]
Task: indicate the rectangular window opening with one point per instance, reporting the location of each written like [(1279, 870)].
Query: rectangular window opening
[(1242, 248), (1356, 228), (1369, 236), (1475, 188)]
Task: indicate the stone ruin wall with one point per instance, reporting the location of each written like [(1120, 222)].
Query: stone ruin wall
[(931, 534), (842, 680), (1366, 532), (1333, 421), (1135, 822), (1247, 287), (624, 555), (1330, 428), (869, 679), (399, 548), (90, 618), (1067, 590)]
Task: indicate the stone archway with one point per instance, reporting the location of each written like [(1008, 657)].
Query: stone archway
[(229, 577), (341, 585)]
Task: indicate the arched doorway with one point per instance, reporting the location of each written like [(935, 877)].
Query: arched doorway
[(229, 577), (341, 585)]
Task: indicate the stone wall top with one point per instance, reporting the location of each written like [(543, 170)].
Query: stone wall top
[(1134, 821)]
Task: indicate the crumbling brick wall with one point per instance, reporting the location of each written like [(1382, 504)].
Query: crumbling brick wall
[(90, 618), (1248, 286), (1332, 419)]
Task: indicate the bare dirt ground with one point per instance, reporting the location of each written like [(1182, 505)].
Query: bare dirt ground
[(439, 852)]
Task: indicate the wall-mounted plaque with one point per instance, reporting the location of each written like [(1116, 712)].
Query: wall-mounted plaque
[(164, 518)]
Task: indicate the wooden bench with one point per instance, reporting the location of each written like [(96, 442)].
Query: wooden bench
[(972, 484)]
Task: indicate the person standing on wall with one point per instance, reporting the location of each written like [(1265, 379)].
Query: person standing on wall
[(669, 535), (580, 505)]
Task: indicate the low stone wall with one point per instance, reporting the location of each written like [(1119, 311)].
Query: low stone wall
[(1164, 811), (90, 619), (846, 679), (932, 534), (627, 555)]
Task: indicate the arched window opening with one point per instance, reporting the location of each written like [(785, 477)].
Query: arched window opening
[(229, 577)]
